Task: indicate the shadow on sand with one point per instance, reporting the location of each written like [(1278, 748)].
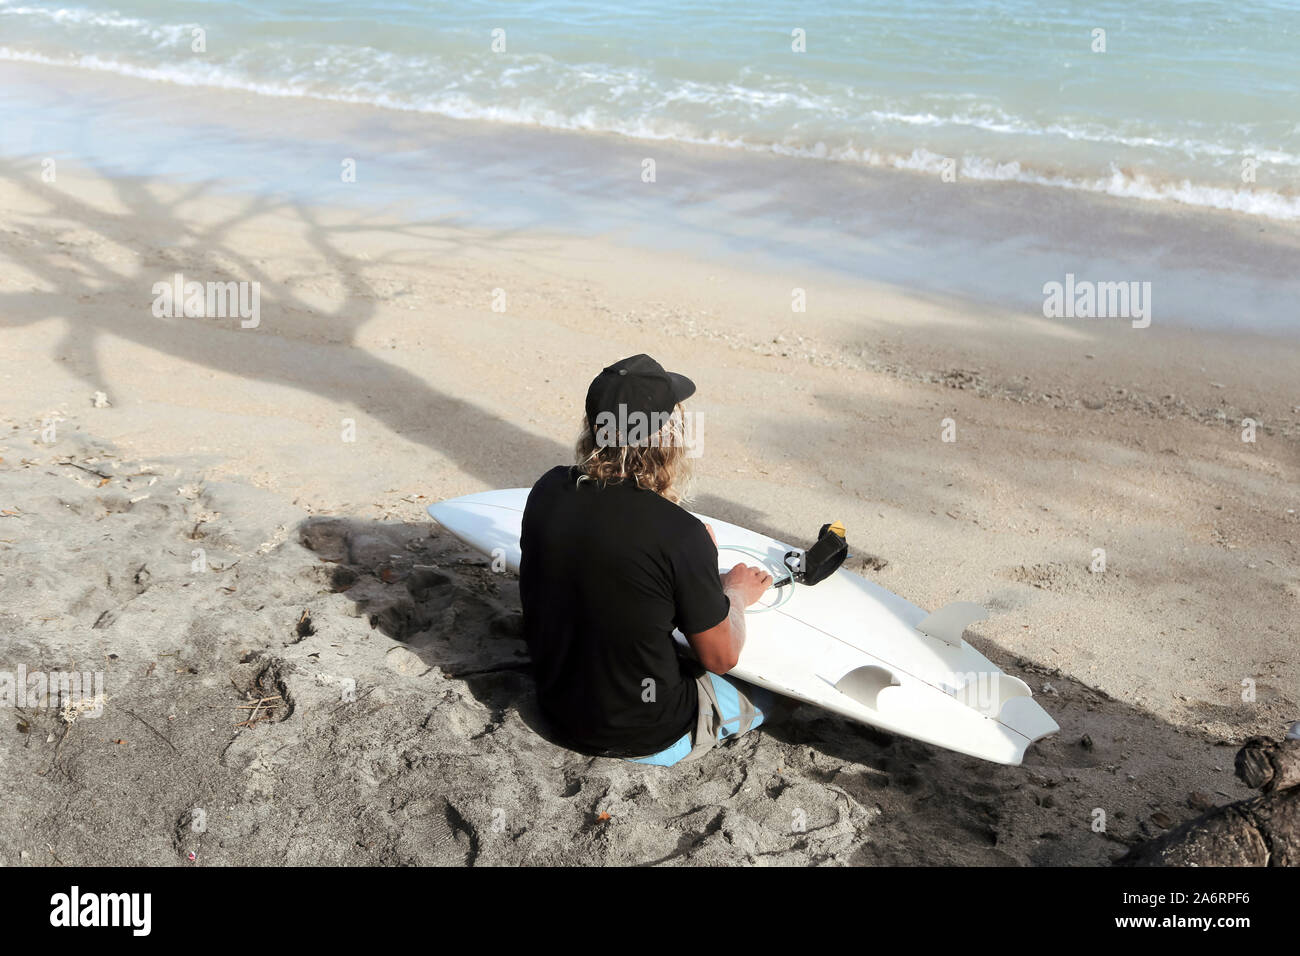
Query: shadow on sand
[(423, 588)]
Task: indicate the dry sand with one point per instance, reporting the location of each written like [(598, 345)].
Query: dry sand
[(325, 582)]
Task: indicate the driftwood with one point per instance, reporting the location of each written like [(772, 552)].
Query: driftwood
[(1261, 831), (1269, 765)]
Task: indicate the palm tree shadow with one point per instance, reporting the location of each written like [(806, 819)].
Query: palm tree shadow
[(443, 422), (75, 289)]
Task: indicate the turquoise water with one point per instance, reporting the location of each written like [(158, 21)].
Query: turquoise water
[(1184, 94)]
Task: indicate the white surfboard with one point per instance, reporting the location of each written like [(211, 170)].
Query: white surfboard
[(844, 644)]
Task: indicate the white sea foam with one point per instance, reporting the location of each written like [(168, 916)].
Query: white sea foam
[(81, 17), (629, 101)]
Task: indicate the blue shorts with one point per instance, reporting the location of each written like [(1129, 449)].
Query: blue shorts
[(728, 708)]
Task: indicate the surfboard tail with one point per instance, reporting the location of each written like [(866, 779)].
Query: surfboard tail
[(1027, 718)]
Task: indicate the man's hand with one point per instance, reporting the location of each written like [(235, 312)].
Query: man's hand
[(749, 583), (709, 529)]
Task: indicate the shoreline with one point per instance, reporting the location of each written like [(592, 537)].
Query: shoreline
[(995, 243), (1122, 174)]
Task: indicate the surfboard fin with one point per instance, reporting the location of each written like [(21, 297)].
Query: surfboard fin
[(949, 623), (864, 684)]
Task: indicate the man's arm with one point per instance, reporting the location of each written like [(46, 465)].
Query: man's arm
[(719, 647)]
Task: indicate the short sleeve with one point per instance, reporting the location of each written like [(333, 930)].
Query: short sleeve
[(697, 590)]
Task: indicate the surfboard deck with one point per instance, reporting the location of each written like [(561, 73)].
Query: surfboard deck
[(846, 645)]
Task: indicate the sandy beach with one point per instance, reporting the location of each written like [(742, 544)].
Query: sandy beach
[(298, 456)]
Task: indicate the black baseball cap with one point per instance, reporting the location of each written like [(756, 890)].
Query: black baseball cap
[(637, 384)]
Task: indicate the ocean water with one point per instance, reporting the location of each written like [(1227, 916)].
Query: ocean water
[(1190, 102)]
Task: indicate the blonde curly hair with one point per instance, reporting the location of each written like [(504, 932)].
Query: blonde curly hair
[(658, 463)]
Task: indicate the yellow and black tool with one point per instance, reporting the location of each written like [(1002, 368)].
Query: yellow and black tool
[(822, 559)]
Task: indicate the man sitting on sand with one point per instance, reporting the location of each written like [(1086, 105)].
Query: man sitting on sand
[(611, 563)]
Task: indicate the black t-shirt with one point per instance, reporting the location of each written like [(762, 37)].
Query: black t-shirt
[(605, 575)]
